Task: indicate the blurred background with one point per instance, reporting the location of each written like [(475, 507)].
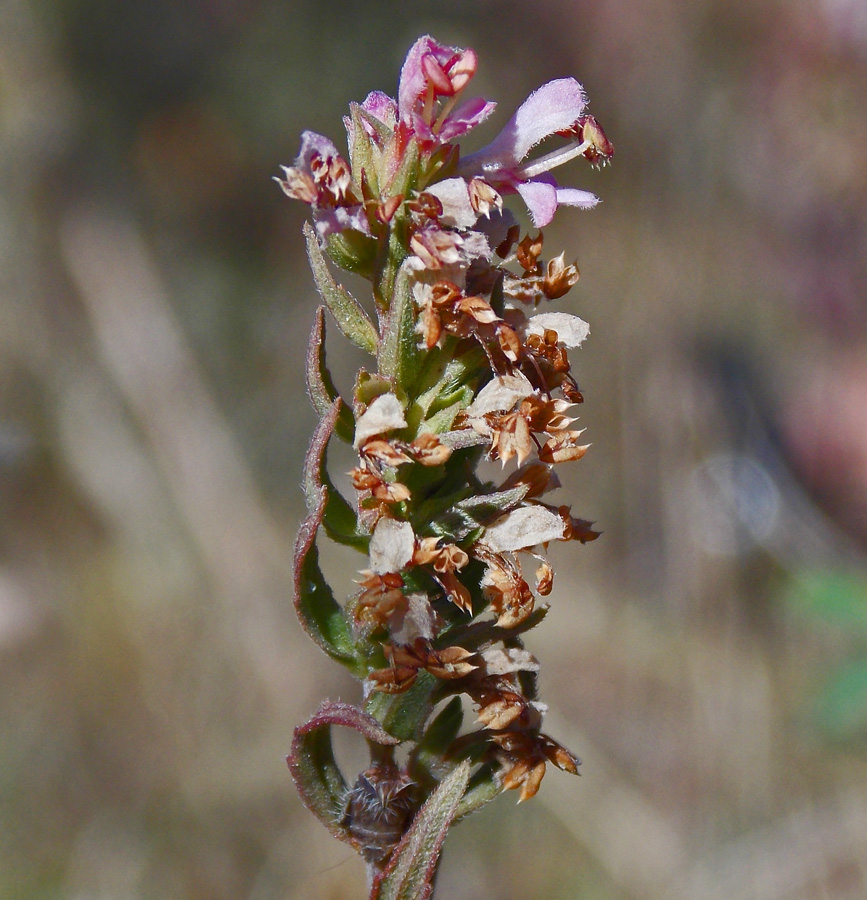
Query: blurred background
[(707, 658)]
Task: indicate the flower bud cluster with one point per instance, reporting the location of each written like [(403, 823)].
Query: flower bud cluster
[(469, 365)]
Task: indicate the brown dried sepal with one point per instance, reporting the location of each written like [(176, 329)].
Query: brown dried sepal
[(577, 529), (537, 476), (428, 450), (445, 561), (405, 661), (393, 679), (446, 308), (601, 149), (446, 558), (511, 436), (512, 432), (499, 705), (544, 578), (528, 252), (436, 247), (386, 453), (563, 447), (380, 597), (483, 198), (365, 479), (559, 278), (524, 755), (507, 592)]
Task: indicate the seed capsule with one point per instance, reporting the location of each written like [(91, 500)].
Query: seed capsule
[(378, 810)]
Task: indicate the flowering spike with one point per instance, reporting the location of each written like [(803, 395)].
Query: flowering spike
[(467, 369)]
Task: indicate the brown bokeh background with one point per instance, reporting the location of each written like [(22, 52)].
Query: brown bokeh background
[(706, 657)]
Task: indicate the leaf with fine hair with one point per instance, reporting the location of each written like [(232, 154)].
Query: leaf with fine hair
[(351, 318), (398, 348), (320, 614), (339, 519), (320, 387), (474, 512), (410, 872), (483, 787), (319, 781)]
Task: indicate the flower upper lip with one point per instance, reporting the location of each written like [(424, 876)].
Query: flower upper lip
[(432, 71)]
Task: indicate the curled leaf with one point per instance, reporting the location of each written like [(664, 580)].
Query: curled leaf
[(320, 614), (338, 517), (319, 781), (320, 387)]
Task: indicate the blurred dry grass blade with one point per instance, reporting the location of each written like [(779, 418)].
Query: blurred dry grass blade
[(143, 348), (638, 845), (794, 858)]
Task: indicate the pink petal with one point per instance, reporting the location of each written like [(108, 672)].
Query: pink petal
[(541, 199), (336, 219), (553, 107), (314, 143), (465, 117), (412, 78), (382, 107), (575, 197)]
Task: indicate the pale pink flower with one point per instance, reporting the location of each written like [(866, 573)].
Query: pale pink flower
[(555, 108), (431, 73)]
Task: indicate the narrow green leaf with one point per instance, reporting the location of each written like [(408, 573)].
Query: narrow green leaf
[(484, 786), (444, 418), (412, 867), (320, 387), (339, 519), (320, 614), (351, 319), (398, 349), (448, 374)]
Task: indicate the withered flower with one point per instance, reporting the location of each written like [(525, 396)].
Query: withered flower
[(524, 754)]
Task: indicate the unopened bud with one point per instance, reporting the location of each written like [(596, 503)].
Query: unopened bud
[(601, 149)]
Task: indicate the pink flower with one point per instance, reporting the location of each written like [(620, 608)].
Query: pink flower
[(434, 72), (555, 108), (322, 178)]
